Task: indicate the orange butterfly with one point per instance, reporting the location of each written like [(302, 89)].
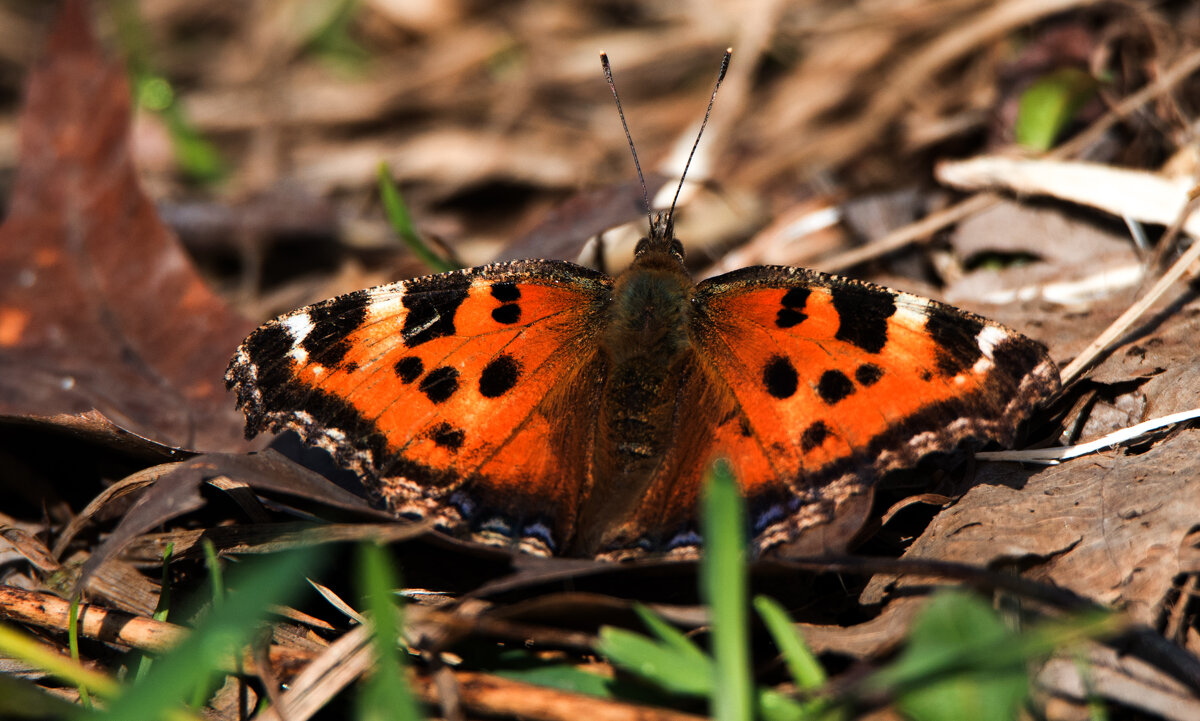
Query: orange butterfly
[(544, 406)]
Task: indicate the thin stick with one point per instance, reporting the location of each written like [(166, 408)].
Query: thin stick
[(641, 178), (1127, 319)]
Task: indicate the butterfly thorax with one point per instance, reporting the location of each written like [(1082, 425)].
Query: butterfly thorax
[(647, 343)]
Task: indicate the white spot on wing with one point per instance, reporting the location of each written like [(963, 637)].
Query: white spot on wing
[(385, 306), (912, 311), (298, 326), (989, 338)]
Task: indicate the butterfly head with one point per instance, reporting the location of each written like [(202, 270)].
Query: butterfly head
[(661, 241)]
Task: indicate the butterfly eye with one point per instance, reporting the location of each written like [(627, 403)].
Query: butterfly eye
[(641, 246), (676, 248)]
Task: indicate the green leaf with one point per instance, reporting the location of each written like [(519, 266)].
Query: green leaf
[(723, 587), (387, 696), (401, 221), (963, 662), (1050, 104), (256, 584), (668, 667), (951, 624)]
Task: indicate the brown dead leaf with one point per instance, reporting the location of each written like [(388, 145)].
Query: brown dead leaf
[(1109, 528), (1164, 352), (99, 306), (1080, 260)]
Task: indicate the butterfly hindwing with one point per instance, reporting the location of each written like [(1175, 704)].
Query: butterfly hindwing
[(447, 392)]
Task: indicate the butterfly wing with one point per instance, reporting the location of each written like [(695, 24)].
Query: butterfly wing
[(814, 386), (462, 397)]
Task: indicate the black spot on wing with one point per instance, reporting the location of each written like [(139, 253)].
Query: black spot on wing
[(834, 386), (957, 344), (447, 436), (792, 312), (506, 292), (863, 314), (507, 314), (868, 374), (431, 306), (814, 436), (409, 369), (499, 376), (779, 377), (1017, 356), (328, 342), (439, 384)]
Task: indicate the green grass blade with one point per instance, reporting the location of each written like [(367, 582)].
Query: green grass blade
[(387, 696), (723, 587), (163, 607), (806, 671), (332, 40), (775, 706), (73, 643), (15, 644), (256, 585), (563, 677), (668, 667), (401, 222), (197, 158), (213, 563), (667, 633)]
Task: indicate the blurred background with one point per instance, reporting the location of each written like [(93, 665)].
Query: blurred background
[(262, 125)]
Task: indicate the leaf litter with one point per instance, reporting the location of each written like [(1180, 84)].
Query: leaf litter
[(496, 124)]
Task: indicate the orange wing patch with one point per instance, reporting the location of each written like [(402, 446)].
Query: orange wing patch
[(447, 391), (841, 381)]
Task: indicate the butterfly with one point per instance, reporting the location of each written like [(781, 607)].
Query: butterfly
[(554, 409)]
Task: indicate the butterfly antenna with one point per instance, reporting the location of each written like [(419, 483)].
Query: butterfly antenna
[(641, 178), (711, 100)]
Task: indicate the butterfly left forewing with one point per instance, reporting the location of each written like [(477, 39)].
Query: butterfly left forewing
[(841, 382), (446, 392)]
